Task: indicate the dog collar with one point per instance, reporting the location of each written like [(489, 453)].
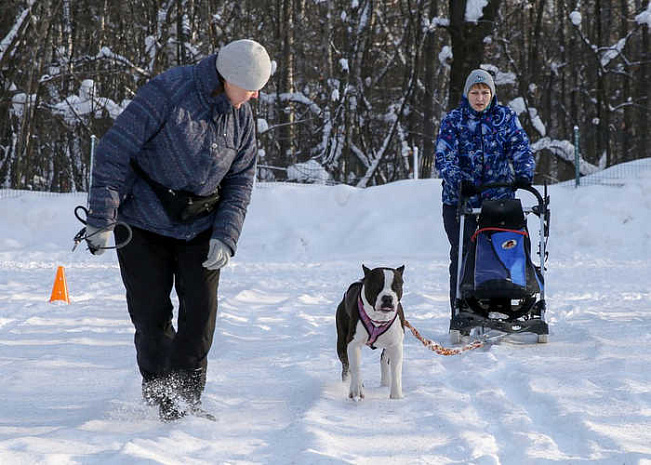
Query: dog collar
[(374, 328)]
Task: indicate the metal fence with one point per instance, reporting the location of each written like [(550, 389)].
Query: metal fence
[(613, 176)]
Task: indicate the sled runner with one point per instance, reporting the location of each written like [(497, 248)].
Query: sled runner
[(498, 285)]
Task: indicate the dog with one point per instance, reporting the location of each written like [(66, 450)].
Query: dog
[(370, 313)]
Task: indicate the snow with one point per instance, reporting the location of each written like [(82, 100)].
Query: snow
[(71, 392), (575, 17), (73, 107), (434, 23), (612, 52), (20, 102), (501, 78), (475, 10), (645, 16), (11, 36), (519, 106), (262, 125), (563, 149), (445, 55), (308, 172)]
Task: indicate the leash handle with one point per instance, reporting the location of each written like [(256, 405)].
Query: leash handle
[(82, 235)]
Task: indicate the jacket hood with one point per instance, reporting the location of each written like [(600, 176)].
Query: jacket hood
[(205, 75)]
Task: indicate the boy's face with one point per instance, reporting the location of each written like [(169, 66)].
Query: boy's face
[(479, 97)]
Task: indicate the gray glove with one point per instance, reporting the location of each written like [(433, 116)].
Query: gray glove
[(97, 238), (218, 255)]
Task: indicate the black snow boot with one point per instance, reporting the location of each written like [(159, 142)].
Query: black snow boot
[(193, 383), (150, 393), (152, 388), (163, 391), (171, 406), (168, 410)]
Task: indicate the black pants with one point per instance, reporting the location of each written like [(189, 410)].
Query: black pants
[(451, 224), (150, 265)]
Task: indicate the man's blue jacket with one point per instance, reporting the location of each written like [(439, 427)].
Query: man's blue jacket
[(482, 148), (185, 138)]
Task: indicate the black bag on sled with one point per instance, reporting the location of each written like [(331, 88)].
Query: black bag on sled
[(497, 264)]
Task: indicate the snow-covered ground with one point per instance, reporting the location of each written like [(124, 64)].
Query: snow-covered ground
[(70, 390)]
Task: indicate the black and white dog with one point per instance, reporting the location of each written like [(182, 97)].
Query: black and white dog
[(371, 314)]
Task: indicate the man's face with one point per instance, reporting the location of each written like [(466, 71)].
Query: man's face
[(479, 97), (237, 95)]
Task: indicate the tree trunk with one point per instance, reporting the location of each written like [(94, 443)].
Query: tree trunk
[(286, 83), (642, 98), (467, 44), (429, 112)]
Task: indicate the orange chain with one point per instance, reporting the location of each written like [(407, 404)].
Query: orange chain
[(438, 348)]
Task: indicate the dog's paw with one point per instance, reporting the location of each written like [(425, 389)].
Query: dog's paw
[(397, 395), (356, 393), (355, 398)]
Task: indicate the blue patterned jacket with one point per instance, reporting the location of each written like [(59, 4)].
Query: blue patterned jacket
[(483, 148), (183, 138)]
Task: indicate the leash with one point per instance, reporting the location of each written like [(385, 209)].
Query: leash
[(439, 349), (81, 235)]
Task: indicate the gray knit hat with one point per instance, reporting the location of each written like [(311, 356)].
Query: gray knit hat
[(244, 63), (479, 76)]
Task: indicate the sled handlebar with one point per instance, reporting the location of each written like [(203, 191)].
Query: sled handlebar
[(540, 210), (474, 190)]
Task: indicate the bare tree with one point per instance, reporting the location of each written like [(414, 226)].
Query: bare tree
[(467, 38), (358, 89)]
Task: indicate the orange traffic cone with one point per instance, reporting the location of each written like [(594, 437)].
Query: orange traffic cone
[(60, 288)]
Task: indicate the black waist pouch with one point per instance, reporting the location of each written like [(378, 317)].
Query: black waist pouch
[(181, 206)]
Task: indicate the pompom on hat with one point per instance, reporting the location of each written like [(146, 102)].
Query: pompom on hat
[(479, 76), (244, 63)]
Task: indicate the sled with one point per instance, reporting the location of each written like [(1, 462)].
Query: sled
[(499, 287)]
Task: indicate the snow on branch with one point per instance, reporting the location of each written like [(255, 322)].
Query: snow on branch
[(475, 10), (519, 106), (21, 23), (564, 150), (295, 97), (645, 17), (606, 54), (394, 119), (73, 108), (106, 52)]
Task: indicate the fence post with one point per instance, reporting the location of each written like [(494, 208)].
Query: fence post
[(577, 158), (415, 162), (93, 138)]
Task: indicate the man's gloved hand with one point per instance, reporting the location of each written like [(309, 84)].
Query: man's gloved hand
[(97, 239), (521, 182), (468, 189), (218, 255)]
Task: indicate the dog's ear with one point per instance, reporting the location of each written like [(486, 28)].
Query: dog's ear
[(366, 270), (400, 270)]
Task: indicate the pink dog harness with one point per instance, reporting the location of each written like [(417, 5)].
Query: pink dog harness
[(374, 328)]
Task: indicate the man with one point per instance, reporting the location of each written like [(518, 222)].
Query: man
[(178, 167), (480, 142)]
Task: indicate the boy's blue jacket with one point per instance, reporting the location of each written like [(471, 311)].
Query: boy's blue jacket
[(483, 148), (183, 138)]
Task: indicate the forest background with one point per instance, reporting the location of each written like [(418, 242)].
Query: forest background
[(358, 88)]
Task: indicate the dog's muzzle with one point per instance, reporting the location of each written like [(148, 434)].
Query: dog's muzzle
[(386, 304)]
